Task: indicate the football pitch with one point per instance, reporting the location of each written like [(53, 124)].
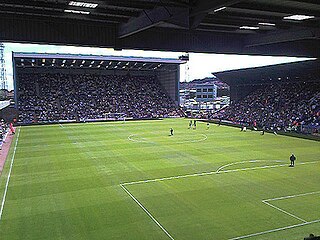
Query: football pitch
[(132, 180)]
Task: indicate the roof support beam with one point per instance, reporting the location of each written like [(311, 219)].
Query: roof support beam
[(284, 36), (203, 7), (287, 4), (151, 18)]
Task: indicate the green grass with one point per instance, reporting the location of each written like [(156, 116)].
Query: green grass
[(65, 183)]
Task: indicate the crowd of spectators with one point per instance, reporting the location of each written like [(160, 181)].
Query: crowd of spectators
[(54, 97), (284, 106), (4, 129)]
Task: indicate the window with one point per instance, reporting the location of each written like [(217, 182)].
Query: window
[(198, 90), (209, 96), (210, 90), (204, 96), (205, 90), (198, 96)]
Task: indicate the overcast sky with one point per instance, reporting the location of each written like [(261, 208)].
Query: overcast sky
[(200, 65)]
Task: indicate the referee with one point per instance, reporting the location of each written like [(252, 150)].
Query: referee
[(292, 159)]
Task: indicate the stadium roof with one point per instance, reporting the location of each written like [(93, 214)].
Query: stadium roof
[(268, 27), (29, 60), (4, 104), (288, 72)]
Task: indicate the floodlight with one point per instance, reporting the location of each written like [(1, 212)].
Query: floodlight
[(267, 24), (298, 17), (219, 9), (249, 28)]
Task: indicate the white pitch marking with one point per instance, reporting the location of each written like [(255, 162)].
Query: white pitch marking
[(291, 196), (8, 178), (199, 140), (147, 212), (281, 210), (134, 140), (275, 230), (131, 138), (209, 173), (250, 161)]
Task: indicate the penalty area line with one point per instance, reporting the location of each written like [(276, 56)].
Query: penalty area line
[(275, 230), (291, 196), (8, 178), (285, 212), (146, 211), (211, 173)]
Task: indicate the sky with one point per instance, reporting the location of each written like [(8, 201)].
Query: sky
[(200, 65)]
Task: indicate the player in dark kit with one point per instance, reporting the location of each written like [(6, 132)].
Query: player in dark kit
[(171, 131), (292, 159), (195, 124)]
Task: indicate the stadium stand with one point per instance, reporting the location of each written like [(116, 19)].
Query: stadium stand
[(48, 97), (286, 106), (4, 130), (4, 123)]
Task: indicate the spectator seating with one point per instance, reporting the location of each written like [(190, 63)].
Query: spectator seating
[(277, 106), (54, 97)]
